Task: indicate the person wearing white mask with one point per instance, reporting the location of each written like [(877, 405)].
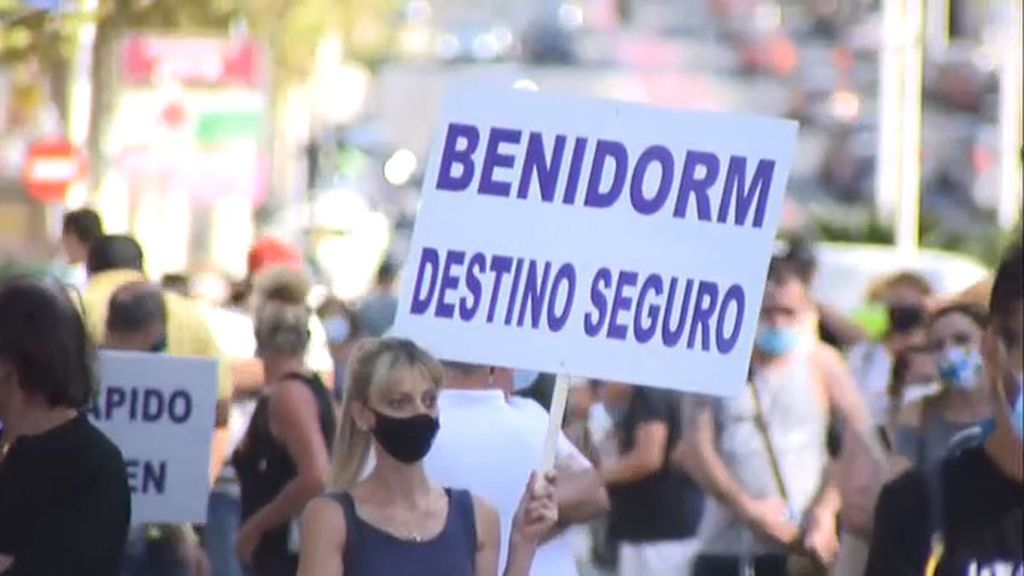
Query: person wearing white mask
[(965, 515), (925, 428)]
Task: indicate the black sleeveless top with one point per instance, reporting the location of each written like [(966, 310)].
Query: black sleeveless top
[(264, 466), (370, 551)]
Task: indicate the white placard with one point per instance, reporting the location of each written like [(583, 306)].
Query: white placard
[(595, 238), (160, 411)]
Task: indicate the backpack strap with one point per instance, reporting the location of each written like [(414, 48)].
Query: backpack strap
[(936, 515)]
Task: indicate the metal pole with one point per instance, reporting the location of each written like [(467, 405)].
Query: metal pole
[(890, 90), (909, 211), (1008, 211)]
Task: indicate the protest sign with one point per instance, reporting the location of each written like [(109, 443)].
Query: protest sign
[(160, 411), (595, 238)]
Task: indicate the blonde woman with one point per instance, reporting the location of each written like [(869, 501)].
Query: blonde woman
[(394, 520), (284, 459)]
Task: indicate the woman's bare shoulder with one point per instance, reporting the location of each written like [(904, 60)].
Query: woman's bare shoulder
[(487, 520), (324, 515)]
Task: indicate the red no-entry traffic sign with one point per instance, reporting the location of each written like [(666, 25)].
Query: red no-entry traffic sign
[(51, 166)]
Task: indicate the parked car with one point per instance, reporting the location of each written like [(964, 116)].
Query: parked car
[(965, 77), (551, 37), (761, 43), (474, 41), (825, 91), (848, 168)]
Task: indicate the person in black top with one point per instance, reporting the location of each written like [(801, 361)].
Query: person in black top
[(655, 507), (966, 515), (65, 504), (283, 459)]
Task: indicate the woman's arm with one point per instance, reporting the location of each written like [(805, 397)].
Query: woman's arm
[(322, 542), (706, 466), (488, 538), (646, 457), (295, 423), (536, 516)]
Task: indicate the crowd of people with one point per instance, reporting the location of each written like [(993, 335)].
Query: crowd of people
[(339, 449)]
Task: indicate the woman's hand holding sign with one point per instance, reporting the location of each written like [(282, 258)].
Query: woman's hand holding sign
[(536, 518)]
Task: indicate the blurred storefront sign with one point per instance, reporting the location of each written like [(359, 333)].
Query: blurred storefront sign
[(189, 142), (153, 60)]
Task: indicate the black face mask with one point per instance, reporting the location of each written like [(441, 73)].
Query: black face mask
[(406, 439), (904, 318)]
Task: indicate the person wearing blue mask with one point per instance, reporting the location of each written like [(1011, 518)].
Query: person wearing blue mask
[(965, 515), (343, 333), (762, 454), (925, 428)]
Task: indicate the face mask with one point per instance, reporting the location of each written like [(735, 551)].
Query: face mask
[(916, 391), (406, 439), (961, 368), (1017, 405), (777, 342), (523, 379), (904, 318), (337, 328)]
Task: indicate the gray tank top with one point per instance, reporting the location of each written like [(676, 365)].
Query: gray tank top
[(929, 444), (797, 423)]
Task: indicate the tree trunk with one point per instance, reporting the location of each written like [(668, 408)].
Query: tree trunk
[(109, 30)]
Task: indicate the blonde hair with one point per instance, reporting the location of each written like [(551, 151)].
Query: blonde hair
[(906, 278), (374, 365), (282, 284), (281, 328)]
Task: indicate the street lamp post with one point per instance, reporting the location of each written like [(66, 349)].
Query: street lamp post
[(890, 98)]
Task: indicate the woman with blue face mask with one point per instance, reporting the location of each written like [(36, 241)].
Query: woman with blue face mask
[(343, 333), (964, 516), (925, 428)]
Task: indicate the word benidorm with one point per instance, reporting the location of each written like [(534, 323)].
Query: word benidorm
[(682, 179)]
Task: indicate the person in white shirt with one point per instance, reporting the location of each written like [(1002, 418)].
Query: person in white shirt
[(490, 445)]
